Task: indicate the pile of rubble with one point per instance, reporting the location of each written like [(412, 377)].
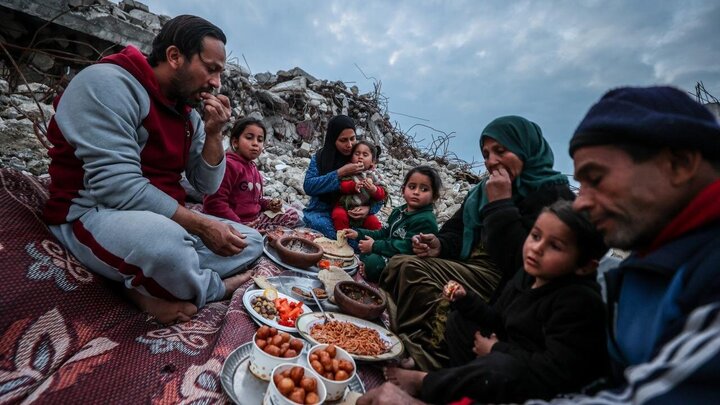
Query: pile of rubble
[(295, 108)]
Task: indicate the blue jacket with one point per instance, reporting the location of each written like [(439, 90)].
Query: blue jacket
[(316, 184), (317, 212), (651, 297)]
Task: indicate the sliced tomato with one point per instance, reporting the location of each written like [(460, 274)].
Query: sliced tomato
[(295, 312)]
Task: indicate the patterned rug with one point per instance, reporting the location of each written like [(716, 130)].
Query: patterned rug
[(67, 336)]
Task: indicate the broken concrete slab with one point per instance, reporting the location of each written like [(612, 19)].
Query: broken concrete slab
[(296, 85), (103, 25)]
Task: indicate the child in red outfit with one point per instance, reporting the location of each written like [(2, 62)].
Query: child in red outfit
[(240, 196), (361, 189)]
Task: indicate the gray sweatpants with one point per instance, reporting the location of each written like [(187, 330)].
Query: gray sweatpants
[(154, 255)]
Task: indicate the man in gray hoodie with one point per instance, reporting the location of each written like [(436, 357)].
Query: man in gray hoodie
[(124, 132)]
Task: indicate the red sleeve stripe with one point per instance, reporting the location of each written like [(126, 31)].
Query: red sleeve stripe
[(139, 279)]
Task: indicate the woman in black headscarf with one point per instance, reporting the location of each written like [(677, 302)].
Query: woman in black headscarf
[(322, 179)]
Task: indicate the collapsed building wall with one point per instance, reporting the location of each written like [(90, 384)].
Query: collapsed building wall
[(57, 37), (45, 42)]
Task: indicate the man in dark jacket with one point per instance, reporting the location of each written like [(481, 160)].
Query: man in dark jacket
[(648, 163)]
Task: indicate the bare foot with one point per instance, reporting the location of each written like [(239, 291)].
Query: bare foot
[(163, 310), (409, 380), (408, 363), (235, 282), (388, 394)]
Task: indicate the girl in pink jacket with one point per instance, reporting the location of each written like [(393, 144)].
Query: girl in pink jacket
[(240, 197)]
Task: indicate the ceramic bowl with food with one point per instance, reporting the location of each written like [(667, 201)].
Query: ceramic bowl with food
[(298, 252), (335, 367), (273, 234), (270, 348), (359, 300), (295, 385)]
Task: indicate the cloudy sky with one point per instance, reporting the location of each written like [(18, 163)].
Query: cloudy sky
[(459, 64)]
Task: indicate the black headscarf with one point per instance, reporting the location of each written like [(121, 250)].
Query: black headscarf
[(328, 158)]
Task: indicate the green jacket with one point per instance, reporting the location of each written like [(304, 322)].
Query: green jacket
[(395, 237)]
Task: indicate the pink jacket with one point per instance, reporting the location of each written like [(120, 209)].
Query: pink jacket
[(240, 197)]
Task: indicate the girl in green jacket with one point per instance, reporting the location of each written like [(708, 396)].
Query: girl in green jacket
[(420, 189)]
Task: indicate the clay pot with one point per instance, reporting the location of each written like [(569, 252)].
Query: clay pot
[(359, 300), (273, 234), (298, 252)]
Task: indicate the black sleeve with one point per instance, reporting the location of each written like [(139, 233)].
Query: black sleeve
[(574, 341), (574, 351), (451, 235), (494, 378), (506, 225), (472, 306)]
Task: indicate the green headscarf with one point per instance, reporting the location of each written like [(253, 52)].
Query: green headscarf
[(524, 139)]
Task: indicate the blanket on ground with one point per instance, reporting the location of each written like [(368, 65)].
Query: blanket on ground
[(68, 336)]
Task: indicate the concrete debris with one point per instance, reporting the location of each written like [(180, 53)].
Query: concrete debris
[(294, 106), (296, 85), (150, 21), (130, 5), (295, 72)]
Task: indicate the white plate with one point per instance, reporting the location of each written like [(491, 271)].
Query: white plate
[(239, 382), (284, 284), (315, 234), (306, 321), (247, 299), (310, 271)]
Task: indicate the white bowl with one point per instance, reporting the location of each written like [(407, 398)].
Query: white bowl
[(274, 395), (335, 389), (262, 364)]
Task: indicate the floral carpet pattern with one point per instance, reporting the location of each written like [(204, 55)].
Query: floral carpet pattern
[(68, 336)]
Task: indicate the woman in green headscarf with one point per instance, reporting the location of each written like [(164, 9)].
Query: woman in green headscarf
[(481, 245)]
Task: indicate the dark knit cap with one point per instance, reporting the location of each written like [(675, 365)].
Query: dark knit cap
[(653, 116)]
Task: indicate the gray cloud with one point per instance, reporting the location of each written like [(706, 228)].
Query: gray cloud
[(459, 64)]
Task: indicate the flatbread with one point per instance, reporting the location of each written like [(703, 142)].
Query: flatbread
[(262, 282), (340, 261), (341, 239), (271, 214), (332, 276), (334, 248)]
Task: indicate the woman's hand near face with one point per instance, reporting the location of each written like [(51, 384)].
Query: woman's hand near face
[(349, 169), (498, 185)]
